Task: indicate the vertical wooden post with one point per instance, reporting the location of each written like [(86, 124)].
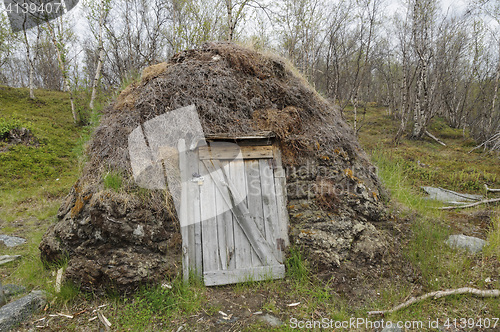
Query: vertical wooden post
[(281, 195), (183, 213), (193, 213)]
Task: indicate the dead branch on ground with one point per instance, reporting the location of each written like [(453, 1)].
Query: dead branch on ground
[(495, 139), (486, 201), (435, 138), (491, 189), (437, 295)]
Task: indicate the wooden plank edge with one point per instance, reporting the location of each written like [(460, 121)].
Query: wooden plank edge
[(259, 273)]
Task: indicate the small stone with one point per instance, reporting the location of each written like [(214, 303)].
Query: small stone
[(473, 244), (11, 241), (10, 290), (8, 258), (3, 298), (271, 320), (227, 319), (15, 312), (392, 329), (139, 231)]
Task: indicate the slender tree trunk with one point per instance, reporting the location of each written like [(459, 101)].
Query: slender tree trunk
[(495, 96), (404, 101), (32, 79), (354, 102), (419, 115), (32, 70), (230, 23), (99, 63), (62, 65), (96, 78)]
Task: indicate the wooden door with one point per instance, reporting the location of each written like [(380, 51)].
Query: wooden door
[(240, 203)]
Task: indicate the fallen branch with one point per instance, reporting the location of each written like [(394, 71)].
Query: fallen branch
[(437, 295), (104, 321), (435, 138), (491, 189), (485, 143), (486, 201)]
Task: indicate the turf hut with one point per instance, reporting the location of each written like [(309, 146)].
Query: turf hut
[(116, 232)]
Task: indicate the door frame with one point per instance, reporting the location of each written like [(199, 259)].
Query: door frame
[(192, 245)]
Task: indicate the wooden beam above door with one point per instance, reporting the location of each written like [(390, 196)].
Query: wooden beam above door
[(231, 152)]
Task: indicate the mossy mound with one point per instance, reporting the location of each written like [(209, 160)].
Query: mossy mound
[(129, 235)]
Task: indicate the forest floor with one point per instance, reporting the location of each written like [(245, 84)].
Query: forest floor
[(35, 178)]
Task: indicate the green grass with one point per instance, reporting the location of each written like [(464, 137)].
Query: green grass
[(113, 180), (439, 266), (493, 248), (29, 271), (425, 162), (33, 175), (6, 125), (153, 307), (398, 179), (296, 266), (35, 179)]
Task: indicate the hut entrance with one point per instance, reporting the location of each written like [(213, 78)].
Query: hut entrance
[(233, 208)]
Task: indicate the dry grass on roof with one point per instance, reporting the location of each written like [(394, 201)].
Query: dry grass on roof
[(236, 91)]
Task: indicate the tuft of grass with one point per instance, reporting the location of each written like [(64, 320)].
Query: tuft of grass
[(397, 178), (113, 180), (69, 293), (493, 248), (296, 266), (153, 307), (6, 125), (29, 271)]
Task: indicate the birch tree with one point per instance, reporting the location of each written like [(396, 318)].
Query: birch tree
[(195, 22), (98, 12), (6, 41), (302, 26), (59, 36), (423, 20), (31, 55), (237, 10)]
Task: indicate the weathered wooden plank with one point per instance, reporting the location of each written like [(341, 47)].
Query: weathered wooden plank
[(229, 228), (242, 214), (232, 151), (183, 213), (243, 250), (269, 206), (254, 199), (223, 216), (254, 193), (194, 215), (209, 223), (251, 136), (280, 187), (213, 278)]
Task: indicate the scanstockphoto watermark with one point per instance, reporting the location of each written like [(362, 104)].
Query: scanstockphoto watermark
[(27, 14), (158, 146), (356, 323), (366, 324), (319, 179)]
